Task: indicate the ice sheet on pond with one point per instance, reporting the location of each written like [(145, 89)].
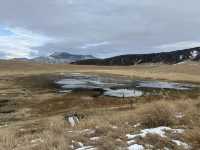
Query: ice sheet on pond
[(164, 85), (117, 87), (123, 93), (86, 82)]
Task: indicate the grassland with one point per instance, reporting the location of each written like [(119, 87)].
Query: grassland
[(32, 111), (188, 71)]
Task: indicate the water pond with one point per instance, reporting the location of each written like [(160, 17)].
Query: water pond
[(119, 87)]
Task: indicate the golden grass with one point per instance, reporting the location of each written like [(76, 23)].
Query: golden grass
[(109, 118), (52, 133), (192, 136), (157, 114), (183, 72)]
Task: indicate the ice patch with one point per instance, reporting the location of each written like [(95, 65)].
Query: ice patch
[(85, 82), (164, 85), (123, 93)]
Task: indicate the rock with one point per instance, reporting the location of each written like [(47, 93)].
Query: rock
[(73, 118)]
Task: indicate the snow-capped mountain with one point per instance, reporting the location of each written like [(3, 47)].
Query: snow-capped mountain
[(60, 58)]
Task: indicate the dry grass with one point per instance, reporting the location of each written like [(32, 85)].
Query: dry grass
[(156, 71), (109, 125), (109, 118), (192, 136), (7, 141), (157, 114)]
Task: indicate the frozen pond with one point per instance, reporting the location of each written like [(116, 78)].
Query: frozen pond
[(165, 85), (117, 87)]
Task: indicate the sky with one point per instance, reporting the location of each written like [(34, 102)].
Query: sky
[(103, 28)]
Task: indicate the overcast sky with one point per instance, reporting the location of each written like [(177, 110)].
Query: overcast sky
[(103, 28)]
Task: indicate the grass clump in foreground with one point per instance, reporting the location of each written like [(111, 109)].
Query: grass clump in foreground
[(192, 136), (111, 126), (157, 114)]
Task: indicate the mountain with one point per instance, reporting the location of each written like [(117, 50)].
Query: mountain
[(173, 57), (60, 58)]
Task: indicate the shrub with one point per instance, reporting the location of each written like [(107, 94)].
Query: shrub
[(157, 114)]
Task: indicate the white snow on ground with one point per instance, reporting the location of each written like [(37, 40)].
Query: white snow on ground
[(85, 131), (181, 57), (123, 93), (37, 140), (136, 147), (130, 142), (94, 138), (179, 115), (194, 54), (183, 62), (159, 131), (136, 125), (180, 143), (81, 146), (86, 148)]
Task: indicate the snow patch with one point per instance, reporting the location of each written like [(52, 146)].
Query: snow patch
[(159, 131), (94, 138), (194, 54), (136, 147), (81, 146), (181, 57), (179, 115), (180, 143), (37, 140)]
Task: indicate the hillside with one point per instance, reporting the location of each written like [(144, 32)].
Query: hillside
[(173, 57)]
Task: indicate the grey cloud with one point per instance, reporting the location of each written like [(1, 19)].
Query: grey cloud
[(131, 26)]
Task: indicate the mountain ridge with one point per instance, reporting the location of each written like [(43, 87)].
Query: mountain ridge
[(171, 57), (57, 58)]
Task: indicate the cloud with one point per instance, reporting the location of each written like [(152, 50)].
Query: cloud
[(19, 42), (179, 45), (90, 45), (130, 26)]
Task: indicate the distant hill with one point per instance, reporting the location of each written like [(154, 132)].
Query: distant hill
[(173, 57), (58, 58)]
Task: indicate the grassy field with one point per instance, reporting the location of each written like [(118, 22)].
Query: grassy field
[(181, 72), (32, 111)]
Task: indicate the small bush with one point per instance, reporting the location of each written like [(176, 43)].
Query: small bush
[(157, 114)]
